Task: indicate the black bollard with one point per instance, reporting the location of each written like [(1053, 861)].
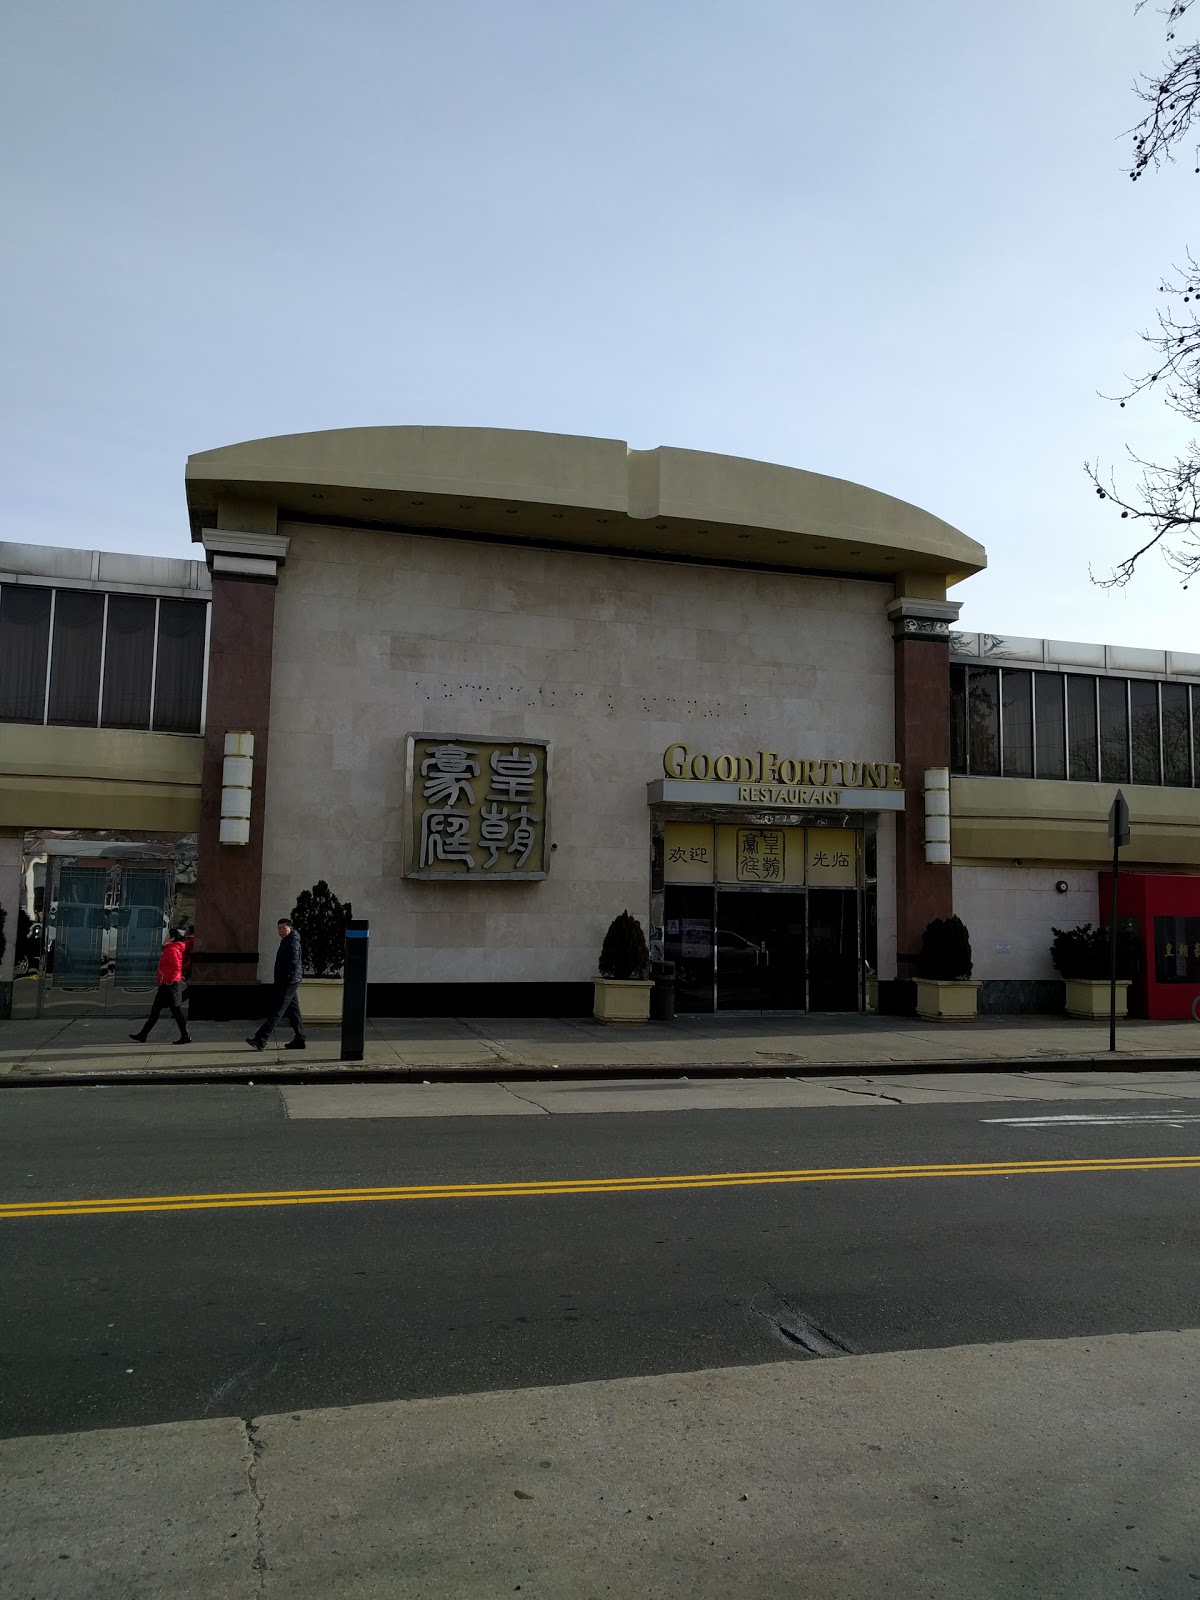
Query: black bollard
[(354, 989)]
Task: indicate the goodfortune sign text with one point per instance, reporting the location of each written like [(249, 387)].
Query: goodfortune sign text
[(768, 778)]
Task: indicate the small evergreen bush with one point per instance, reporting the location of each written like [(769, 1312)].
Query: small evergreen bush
[(320, 919), (1085, 953), (623, 953), (945, 950)]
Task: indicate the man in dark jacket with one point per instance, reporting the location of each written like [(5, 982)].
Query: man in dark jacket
[(289, 969), (170, 990)]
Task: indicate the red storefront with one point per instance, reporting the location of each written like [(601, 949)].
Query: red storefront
[(1166, 910)]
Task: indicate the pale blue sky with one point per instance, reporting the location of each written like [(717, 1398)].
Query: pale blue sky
[(890, 241)]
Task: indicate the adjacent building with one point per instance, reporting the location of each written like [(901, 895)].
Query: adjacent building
[(496, 687)]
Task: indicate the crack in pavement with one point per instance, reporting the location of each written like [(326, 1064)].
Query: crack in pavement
[(254, 1450), (872, 1094), (797, 1329), (524, 1098), (497, 1050)]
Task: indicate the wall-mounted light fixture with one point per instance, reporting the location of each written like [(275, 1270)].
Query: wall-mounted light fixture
[(237, 776), (937, 815)]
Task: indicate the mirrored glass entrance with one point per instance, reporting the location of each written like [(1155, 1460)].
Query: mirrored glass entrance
[(105, 928), (774, 950), (759, 951), (760, 918)]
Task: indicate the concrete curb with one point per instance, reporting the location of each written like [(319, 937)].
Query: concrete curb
[(357, 1072)]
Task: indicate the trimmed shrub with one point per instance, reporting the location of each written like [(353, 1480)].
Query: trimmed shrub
[(945, 950), (623, 953), (1085, 953), (320, 919)]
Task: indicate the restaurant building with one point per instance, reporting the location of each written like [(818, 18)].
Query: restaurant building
[(496, 687)]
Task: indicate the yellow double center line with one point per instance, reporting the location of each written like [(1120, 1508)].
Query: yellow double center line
[(567, 1186)]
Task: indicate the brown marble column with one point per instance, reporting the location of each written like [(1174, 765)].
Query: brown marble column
[(241, 641), (924, 890)]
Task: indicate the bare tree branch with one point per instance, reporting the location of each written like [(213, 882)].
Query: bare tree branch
[(1166, 498), (1173, 97)]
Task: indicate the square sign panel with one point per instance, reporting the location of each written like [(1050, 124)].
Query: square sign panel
[(688, 852), (477, 808), (831, 858)]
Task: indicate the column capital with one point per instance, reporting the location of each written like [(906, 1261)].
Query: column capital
[(923, 619), (237, 553)]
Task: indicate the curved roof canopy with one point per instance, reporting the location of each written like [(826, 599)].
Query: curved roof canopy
[(559, 489)]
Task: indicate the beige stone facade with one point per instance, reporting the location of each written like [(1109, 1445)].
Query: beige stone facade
[(378, 635), (1011, 912)]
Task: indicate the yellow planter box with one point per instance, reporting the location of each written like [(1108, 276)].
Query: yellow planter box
[(947, 999), (321, 1000), (622, 999), (1088, 997)]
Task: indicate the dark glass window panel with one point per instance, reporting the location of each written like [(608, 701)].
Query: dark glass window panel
[(983, 720), (958, 719), (1177, 765), (1143, 715), (1016, 705), (1114, 731), (1050, 729), (75, 657), (1177, 949), (24, 652), (179, 681), (128, 662), (1081, 728)]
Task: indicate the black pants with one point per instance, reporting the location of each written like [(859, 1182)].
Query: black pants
[(284, 1006), (167, 996)]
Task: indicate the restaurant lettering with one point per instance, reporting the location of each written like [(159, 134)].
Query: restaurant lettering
[(768, 769)]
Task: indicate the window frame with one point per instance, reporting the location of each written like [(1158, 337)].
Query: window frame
[(55, 590), (1038, 685)]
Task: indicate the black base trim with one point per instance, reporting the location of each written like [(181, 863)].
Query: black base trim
[(998, 997), (220, 1002), (897, 997), (1014, 997), (480, 999)]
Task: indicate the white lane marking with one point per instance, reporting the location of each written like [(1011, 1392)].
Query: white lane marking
[(1099, 1119)]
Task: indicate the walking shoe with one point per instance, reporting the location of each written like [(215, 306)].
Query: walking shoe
[(256, 1044), (184, 1038), (296, 1044), (140, 1037)]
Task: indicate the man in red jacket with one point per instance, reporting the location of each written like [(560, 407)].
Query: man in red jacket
[(169, 993)]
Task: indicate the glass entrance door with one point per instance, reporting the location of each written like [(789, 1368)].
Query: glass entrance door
[(759, 951), (764, 950), (76, 951), (105, 927), (833, 958)]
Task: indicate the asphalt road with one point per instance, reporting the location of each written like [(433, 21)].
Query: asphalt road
[(156, 1315)]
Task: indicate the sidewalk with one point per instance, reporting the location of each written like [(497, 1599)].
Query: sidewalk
[(51, 1050)]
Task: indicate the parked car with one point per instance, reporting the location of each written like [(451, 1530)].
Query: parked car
[(28, 953), (735, 954)]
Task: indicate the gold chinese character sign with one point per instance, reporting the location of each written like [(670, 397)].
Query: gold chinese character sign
[(760, 855), (477, 809)]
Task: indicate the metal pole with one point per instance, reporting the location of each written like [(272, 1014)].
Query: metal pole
[(354, 989), (1112, 951)]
